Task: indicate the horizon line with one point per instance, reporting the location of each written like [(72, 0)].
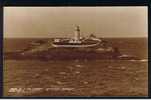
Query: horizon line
[(98, 37)]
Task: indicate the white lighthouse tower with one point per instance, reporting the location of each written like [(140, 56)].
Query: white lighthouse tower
[(77, 35)]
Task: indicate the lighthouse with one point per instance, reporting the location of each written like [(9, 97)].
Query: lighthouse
[(77, 34), (76, 41)]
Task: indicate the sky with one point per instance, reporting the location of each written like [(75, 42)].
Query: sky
[(112, 21)]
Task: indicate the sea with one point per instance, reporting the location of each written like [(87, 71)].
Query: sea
[(86, 78)]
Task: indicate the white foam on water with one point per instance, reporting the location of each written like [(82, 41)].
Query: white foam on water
[(79, 65), (133, 60), (124, 55), (77, 72), (141, 60), (144, 60), (109, 66), (85, 82), (123, 67), (62, 73)]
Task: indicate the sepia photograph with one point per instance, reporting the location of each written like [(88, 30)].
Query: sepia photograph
[(99, 51)]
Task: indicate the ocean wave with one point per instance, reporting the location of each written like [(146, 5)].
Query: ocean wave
[(141, 60)]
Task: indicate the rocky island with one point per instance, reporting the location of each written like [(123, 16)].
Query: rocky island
[(69, 48)]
